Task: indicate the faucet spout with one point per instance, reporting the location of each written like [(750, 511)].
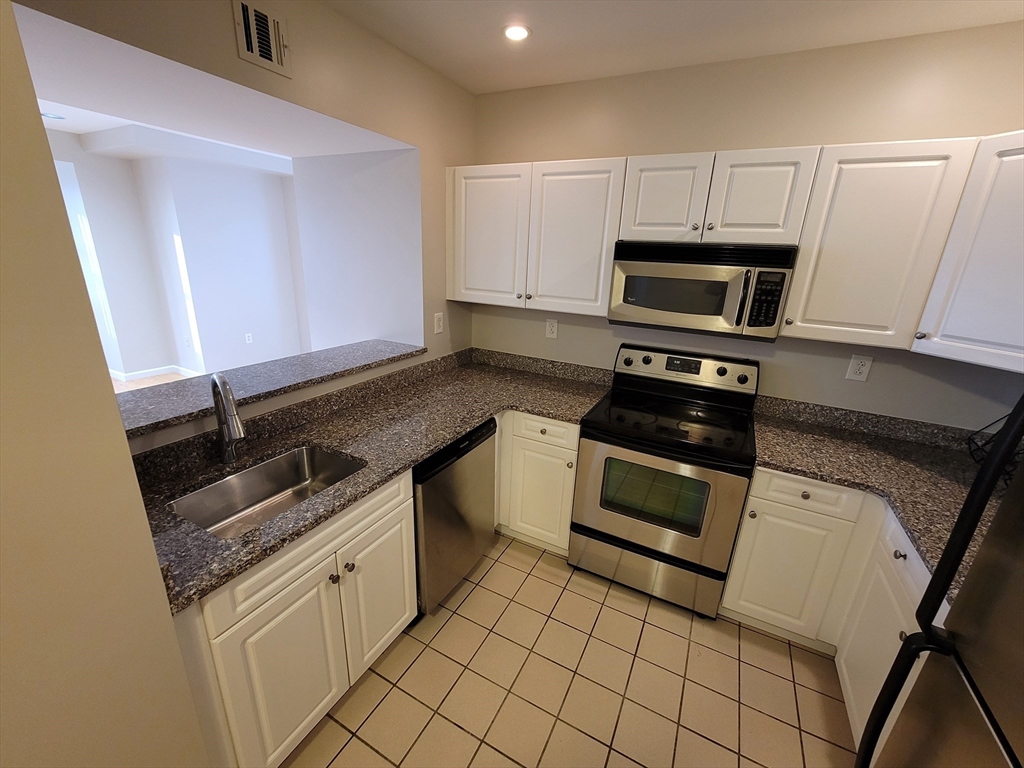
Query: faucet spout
[(228, 422)]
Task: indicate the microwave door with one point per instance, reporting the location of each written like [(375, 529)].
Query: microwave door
[(689, 296)]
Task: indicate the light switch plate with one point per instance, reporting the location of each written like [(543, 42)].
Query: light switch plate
[(551, 329), (439, 322), (859, 367)]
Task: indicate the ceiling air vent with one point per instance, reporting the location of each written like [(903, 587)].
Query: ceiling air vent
[(262, 39)]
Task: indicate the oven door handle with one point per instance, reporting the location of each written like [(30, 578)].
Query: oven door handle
[(743, 298), (641, 446)]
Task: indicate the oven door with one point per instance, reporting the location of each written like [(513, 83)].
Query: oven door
[(682, 510), (701, 297)]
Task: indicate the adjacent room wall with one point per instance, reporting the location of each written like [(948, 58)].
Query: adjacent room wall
[(89, 661), (968, 82)]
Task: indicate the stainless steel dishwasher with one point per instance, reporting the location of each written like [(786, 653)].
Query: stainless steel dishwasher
[(454, 492)]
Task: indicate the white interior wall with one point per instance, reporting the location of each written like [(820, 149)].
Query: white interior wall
[(359, 227), (235, 237), (291, 216), (130, 273)]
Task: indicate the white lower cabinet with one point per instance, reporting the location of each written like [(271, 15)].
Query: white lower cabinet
[(378, 587), (543, 477), (282, 667), (785, 565)]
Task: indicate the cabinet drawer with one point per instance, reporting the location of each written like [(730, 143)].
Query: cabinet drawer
[(546, 430), (244, 594), (803, 493)]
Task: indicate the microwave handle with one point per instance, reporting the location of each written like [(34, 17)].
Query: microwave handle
[(743, 298)]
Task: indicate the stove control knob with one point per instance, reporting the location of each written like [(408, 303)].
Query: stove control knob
[(627, 361), (742, 379), (648, 359), (722, 370)]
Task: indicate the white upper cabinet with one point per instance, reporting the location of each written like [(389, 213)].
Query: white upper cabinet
[(665, 197), (975, 311), (760, 195), (489, 233), (574, 222), (876, 225)]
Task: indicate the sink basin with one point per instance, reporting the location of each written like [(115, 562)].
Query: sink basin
[(244, 501)]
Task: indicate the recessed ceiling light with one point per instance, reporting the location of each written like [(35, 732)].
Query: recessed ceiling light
[(517, 32), (52, 116)]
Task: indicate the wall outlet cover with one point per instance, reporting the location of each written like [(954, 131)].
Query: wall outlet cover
[(439, 322), (859, 367), (551, 329), (248, 338)]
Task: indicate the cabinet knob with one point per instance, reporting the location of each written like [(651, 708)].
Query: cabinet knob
[(805, 495), (335, 578), (529, 296), (789, 321), (899, 555), (519, 295), (350, 567), (710, 225), (920, 335), (543, 431), (569, 465), (751, 513), (695, 226)]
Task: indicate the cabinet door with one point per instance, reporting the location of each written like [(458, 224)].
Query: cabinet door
[(665, 197), (378, 587), (760, 195), (282, 667), (785, 565), (574, 221), (543, 477), (876, 225), (975, 311), (871, 636), (489, 237)]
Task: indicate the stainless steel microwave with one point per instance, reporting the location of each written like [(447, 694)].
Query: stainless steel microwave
[(706, 287)]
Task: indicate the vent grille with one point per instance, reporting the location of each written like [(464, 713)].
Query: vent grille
[(262, 38)]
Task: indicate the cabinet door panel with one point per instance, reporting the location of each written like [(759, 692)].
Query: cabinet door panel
[(665, 197), (975, 311), (785, 565), (574, 221), (543, 478), (490, 233), (760, 195), (876, 224), (378, 594), (282, 667)]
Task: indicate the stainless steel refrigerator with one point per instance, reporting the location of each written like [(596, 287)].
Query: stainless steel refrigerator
[(966, 707)]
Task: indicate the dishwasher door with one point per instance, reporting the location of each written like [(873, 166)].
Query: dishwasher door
[(454, 491)]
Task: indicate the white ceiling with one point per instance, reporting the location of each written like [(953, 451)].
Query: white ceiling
[(585, 39), (77, 120)]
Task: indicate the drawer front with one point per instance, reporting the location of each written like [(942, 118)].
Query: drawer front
[(803, 493), (242, 595), (546, 430)]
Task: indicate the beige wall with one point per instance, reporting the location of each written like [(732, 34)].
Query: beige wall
[(968, 82), (90, 671), (338, 69)]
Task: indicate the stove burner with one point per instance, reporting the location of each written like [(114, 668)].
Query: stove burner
[(635, 418)]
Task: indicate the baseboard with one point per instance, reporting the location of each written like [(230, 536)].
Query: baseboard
[(146, 373), (116, 374)]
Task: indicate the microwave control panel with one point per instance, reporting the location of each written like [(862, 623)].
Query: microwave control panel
[(766, 301)]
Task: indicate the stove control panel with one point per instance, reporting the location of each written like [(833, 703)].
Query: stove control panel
[(688, 368)]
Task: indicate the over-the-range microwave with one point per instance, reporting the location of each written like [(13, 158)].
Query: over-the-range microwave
[(706, 287)]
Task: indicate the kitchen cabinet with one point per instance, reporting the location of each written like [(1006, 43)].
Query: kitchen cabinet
[(575, 207), (489, 230), (282, 667), (760, 195), (543, 478), (535, 235), (785, 565), (975, 311), (743, 196), (378, 587), (666, 196), (876, 224)]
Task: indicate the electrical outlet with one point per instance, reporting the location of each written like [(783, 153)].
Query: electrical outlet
[(439, 322), (248, 338), (551, 329), (859, 367)]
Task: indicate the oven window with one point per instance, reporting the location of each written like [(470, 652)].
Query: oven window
[(663, 498), (672, 294)]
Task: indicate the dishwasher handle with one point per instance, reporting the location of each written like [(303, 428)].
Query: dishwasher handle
[(452, 452)]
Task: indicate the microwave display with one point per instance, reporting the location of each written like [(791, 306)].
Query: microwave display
[(670, 294)]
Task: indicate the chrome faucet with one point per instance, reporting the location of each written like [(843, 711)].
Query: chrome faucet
[(228, 422)]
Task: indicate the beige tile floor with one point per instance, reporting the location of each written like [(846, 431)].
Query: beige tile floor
[(530, 662), (148, 381)]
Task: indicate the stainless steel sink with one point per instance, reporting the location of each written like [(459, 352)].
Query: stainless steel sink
[(241, 502)]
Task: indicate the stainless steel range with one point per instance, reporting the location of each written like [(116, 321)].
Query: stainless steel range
[(665, 461)]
